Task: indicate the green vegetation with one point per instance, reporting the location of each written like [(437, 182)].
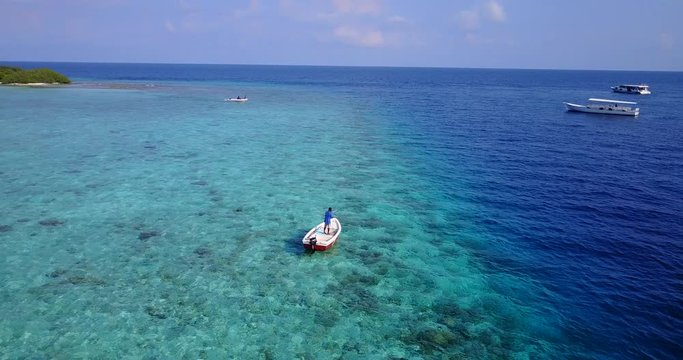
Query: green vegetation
[(5, 70), (12, 75)]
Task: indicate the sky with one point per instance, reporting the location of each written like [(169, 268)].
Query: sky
[(527, 34)]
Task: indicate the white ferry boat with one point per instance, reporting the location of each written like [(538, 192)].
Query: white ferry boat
[(632, 89), (237, 99), (605, 106)]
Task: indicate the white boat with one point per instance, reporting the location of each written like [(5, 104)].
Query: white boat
[(605, 106), (316, 239), (237, 99), (632, 89)]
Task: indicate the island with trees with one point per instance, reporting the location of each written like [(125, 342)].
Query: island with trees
[(35, 77)]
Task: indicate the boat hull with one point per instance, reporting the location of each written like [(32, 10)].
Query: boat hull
[(602, 110), (626, 90), (236, 100), (316, 239)]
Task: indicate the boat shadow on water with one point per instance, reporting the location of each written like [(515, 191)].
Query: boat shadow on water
[(293, 244)]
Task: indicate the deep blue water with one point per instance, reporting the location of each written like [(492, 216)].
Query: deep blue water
[(573, 221)]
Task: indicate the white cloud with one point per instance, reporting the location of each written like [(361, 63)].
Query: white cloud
[(478, 39), (396, 19), (169, 26), (472, 38), (364, 23), (494, 11), (471, 19), (360, 7), (354, 36), (468, 19), (666, 40), (254, 7), (341, 9)]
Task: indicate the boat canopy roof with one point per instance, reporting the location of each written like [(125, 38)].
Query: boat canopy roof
[(641, 86), (612, 101)]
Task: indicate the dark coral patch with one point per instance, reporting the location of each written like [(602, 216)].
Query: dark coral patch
[(354, 296), (147, 234), (326, 318), (358, 278), (84, 280), (5, 228), (371, 257), (202, 252), (57, 273), (431, 340), (51, 222), (154, 312)]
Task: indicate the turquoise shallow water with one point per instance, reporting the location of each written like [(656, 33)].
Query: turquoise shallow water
[(144, 217), (164, 222)]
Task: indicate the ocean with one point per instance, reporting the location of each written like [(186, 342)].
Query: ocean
[(142, 216)]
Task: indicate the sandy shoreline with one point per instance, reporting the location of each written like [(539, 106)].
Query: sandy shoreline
[(33, 84)]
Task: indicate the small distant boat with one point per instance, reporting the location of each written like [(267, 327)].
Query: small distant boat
[(316, 239), (605, 106), (237, 99), (641, 89)]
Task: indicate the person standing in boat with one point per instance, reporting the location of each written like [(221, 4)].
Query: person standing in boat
[(328, 218)]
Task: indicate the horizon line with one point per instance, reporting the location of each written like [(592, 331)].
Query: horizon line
[(330, 66)]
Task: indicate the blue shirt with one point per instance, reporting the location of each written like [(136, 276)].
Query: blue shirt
[(328, 216)]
